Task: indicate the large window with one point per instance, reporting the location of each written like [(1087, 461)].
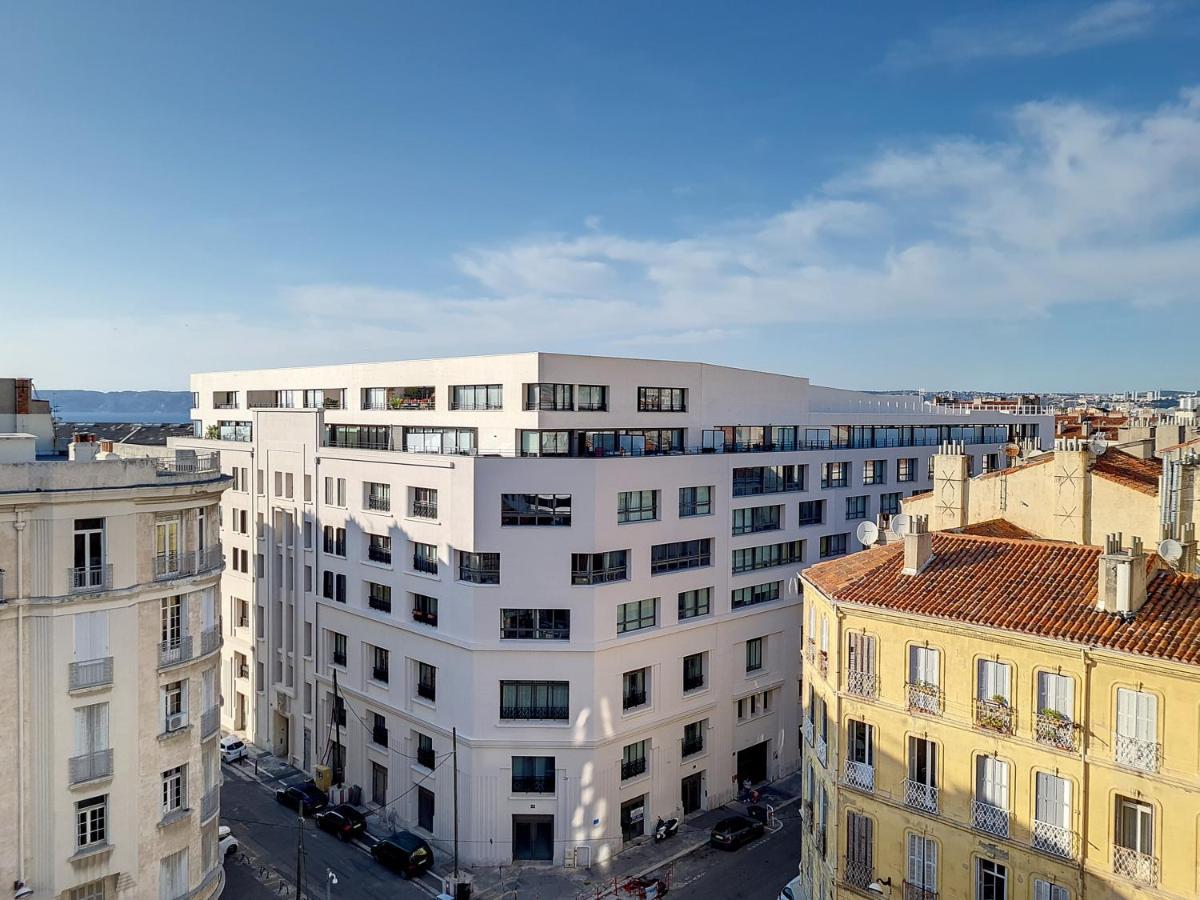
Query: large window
[(379, 596), (856, 508), (533, 774), (835, 474), (637, 615), (377, 496), (379, 548), (549, 396), (425, 558), (662, 399), (906, 469), (752, 519), (535, 509), (812, 512), (695, 501), (476, 396), (479, 568), (599, 568), (334, 540), (427, 681), (535, 700), (637, 506), (424, 503), (174, 790), (535, 624), (747, 559), (91, 822), (634, 689), (695, 603), (752, 480), (592, 398), (693, 672), (545, 443), (1052, 816), (889, 504), (1137, 730), (425, 609), (991, 880), (633, 760), (360, 437), (680, 555), (875, 471), (435, 439), (757, 593), (922, 871), (754, 654), (834, 545)]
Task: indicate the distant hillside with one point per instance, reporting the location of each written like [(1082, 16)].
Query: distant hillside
[(119, 406)]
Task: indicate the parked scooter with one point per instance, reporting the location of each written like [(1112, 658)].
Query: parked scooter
[(665, 829)]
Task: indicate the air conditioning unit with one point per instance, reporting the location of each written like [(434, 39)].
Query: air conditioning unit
[(176, 721)]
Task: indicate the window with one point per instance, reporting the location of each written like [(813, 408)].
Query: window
[(229, 430), (906, 469), (636, 615), (1052, 816), (476, 396), (695, 501), (924, 680), (379, 596), (753, 480), (338, 648), (533, 774), (695, 603), (379, 730), (333, 586), (425, 754), (545, 443), (834, 545), (756, 593), (424, 503), (993, 695), (860, 748), (633, 760), (479, 568), (835, 474), (889, 504), (860, 664), (752, 519), (1045, 890), (379, 548), (378, 496), (693, 672), (173, 876), (335, 492), (599, 568), (1133, 853), (427, 681), (425, 558), (754, 654), (680, 555), (812, 512), (549, 397), (633, 689), (856, 508), (337, 704), (91, 822), (875, 471), (439, 439), (425, 609), (93, 890), (174, 790), (921, 788), (922, 869), (693, 738), (747, 559), (425, 801), (379, 784), (991, 462), (535, 700), (860, 850), (1137, 730), (930, 467), (535, 624), (1055, 710), (754, 705), (990, 807), (637, 506), (991, 880), (174, 705), (535, 509), (662, 399), (380, 664), (334, 540), (592, 398)]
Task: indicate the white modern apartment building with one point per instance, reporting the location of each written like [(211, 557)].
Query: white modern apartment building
[(586, 566), (109, 656)]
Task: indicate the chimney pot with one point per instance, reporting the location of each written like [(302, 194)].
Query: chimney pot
[(1122, 577), (918, 546)]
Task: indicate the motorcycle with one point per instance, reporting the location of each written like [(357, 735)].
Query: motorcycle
[(665, 829)]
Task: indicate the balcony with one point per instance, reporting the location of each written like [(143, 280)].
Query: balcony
[(810, 650), (175, 651), (859, 775), (535, 712), (924, 698), (379, 735), (382, 604), (210, 640), (84, 579), (379, 503), (1055, 730), (181, 565), (857, 873), (479, 574), (424, 616), (692, 745), (1053, 839), (428, 566), (531, 784), (1135, 865), (631, 768), (919, 795), (380, 554), (1134, 753), (426, 758), (917, 892), (91, 673), (210, 803), (988, 818), (424, 509), (806, 726), (90, 766), (822, 749), (823, 663), (995, 715), (190, 464), (862, 684), (210, 722)]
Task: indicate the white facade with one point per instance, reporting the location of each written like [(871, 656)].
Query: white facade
[(298, 472), (110, 648)]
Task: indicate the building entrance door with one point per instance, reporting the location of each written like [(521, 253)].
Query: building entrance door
[(691, 792), (752, 764), (633, 818), (533, 837)]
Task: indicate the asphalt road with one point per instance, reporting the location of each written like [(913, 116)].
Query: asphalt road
[(267, 834)]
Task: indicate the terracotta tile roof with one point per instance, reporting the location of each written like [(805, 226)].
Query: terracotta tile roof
[(1001, 528), (1032, 587), (1194, 442), (1131, 471)]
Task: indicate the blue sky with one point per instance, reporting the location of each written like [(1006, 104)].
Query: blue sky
[(880, 196)]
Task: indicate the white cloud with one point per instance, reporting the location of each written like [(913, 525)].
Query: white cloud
[(1042, 31)]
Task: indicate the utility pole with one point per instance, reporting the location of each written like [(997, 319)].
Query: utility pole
[(337, 728), (454, 737), (300, 856)]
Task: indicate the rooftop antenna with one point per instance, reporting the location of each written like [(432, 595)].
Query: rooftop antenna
[(867, 533), (1170, 550), (900, 524)]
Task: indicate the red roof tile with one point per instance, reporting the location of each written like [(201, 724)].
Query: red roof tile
[(1131, 471), (1032, 587), (1001, 528)]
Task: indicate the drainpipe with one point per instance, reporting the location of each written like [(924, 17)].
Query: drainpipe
[(1085, 731), (19, 526)]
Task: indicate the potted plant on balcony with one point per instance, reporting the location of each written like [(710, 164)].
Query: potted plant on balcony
[(996, 713), (212, 433)]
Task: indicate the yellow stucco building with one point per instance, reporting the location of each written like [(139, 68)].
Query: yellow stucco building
[(993, 718)]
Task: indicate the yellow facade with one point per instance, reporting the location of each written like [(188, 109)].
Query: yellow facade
[(973, 839)]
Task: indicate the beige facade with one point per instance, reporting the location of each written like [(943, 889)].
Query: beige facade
[(110, 650)]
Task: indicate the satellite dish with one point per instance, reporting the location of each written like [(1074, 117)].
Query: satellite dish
[(1098, 445), (1170, 550), (867, 533), (900, 524), (1012, 451)]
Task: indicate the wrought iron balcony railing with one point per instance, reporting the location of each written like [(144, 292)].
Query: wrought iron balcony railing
[(1135, 753), (995, 715), (631, 768), (919, 795), (175, 651), (379, 503), (533, 784), (692, 746), (822, 749), (1135, 865), (859, 775), (84, 579), (806, 726), (1053, 839), (862, 684), (91, 673), (1056, 731), (858, 873), (925, 698), (426, 757), (918, 892), (989, 818)]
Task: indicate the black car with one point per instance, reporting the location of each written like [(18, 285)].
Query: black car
[(405, 853), (343, 821), (306, 798), (731, 833)]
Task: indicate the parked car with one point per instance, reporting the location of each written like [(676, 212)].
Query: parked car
[(306, 798), (343, 821), (405, 853), (226, 841), (233, 748), (791, 890), (734, 831)]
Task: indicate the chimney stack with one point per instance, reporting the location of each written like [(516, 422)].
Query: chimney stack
[(1122, 583), (918, 545), (83, 447)]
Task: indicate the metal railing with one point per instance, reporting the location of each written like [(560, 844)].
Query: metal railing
[(806, 727), (90, 673), (484, 574), (858, 873), (179, 565), (862, 684), (425, 616), (210, 802), (633, 699), (176, 651), (1054, 839), (426, 757), (426, 690), (379, 554), (823, 663), (989, 818), (421, 564), (995, 715), (693, 682), (382, 674), (535, 712), (631, 768), (424, 509), (379, 736), (859, 775), (1055, 731), (532, 784), (1135, 753), (379, 503), (921, 796), (822, 749), (210, 721), (601, 575), (692, 746), (918, 892), (81, 579), (925, 698), (210, 640), (383, 604), (90, 766), (189, 464), (1135, 865)]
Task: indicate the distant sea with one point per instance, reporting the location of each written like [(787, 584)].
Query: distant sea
[(143, 419)]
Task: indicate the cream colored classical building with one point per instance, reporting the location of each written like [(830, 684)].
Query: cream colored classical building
[(109, 652)]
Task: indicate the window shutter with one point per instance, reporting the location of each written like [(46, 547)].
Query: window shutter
[(868, 654), (1126, 712), (1147, 715)]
